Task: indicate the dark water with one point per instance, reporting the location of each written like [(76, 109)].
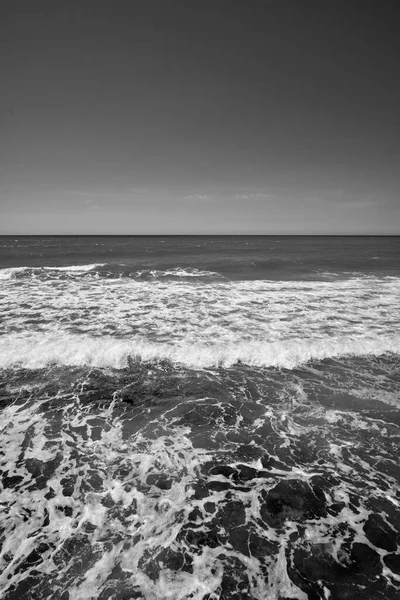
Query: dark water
[(200, 418), (238, 257)]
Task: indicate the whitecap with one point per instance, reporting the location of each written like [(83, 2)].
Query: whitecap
[(40, 350)]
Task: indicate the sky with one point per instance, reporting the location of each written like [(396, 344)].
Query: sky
[(199, 117)]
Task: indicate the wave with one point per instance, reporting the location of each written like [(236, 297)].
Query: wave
[(178, 273), (76, 268), (12, 273), (106, 271), (41, 350), (26, 272)]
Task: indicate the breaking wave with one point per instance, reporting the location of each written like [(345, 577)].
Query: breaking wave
[(106, 271), (41, 350)]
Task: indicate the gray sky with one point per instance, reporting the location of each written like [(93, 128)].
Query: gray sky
[(211, 116)]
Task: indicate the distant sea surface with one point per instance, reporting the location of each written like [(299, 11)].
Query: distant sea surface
[(199, 417)]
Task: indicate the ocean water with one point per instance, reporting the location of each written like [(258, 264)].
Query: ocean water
[(204, 418)]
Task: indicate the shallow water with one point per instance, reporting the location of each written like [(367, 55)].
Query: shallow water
[(181, 433)]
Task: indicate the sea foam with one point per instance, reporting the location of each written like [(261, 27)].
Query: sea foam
[(40, 350), (107, 271), (18, 272), (192, 320)]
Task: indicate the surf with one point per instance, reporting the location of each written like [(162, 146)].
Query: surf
[(39, 350)]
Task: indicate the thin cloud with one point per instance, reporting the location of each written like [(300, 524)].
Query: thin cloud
[(252, 196), (91, 204), (345, 200), (198, 197), (89, 194), (360, 203), (91, 198)]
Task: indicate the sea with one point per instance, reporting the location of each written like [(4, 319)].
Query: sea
[(199, 417)]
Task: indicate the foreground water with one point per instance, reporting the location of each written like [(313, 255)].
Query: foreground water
[(200, 418)]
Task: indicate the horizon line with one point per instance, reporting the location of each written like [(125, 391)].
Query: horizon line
[(200, 234)]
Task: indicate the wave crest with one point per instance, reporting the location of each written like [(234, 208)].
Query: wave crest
[(107, 271), (41, 350)]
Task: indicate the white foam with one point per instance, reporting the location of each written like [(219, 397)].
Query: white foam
[(101, 322), (10, 273), (39, 350), (180, 272), (76, 268)]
